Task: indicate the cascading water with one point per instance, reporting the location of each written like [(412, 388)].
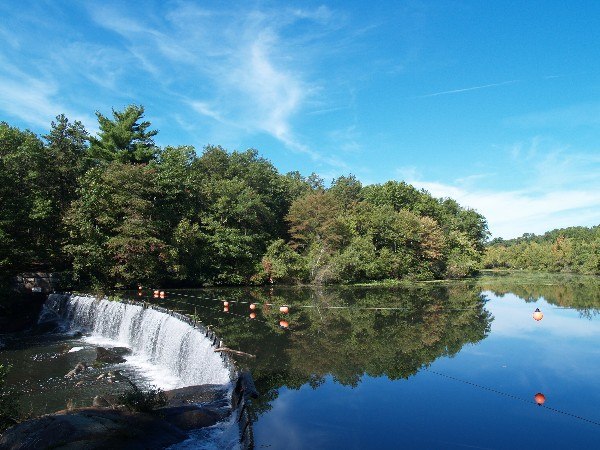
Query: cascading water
[(154, 337)]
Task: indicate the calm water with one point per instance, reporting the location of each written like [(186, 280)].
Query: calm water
[(442, 366)]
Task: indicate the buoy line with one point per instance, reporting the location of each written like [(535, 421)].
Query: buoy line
[(368, 308), (514, 397)]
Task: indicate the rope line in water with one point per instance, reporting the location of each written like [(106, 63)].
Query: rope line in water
[(514, 397), (367, 308)]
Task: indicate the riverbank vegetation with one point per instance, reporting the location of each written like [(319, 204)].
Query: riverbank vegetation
[(115, 209), (574, 249)]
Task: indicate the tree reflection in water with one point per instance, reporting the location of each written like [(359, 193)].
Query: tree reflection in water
[(336, 332)]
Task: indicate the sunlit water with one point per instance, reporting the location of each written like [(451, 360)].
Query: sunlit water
[(444, 366)]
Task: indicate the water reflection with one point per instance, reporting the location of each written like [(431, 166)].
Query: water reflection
[(381, 367), (301, 336)]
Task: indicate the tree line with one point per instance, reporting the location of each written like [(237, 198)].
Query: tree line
[(574, 249), (115, 209)]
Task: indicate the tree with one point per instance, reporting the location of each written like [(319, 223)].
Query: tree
[(28, 212), (125, 138), (114, 234)]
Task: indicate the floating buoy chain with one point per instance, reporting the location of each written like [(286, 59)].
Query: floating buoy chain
[(537, 400), (254, 303)]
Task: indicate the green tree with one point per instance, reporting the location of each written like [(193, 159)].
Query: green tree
[(125, 138), (114, 237)]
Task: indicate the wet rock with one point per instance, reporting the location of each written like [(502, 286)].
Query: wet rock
[(80, 367), (93, 428), (122, 351), (205, 393), (100, 402), (104, 355), (192, 417)]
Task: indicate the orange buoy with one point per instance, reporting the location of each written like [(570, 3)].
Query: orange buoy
[(162, 294), (537, 314), (140, 293), (225, 308), (156, 292), (253, 306), (253, 315), (283, 324), (284, 309), (139, 287), (226, 304), (539, 398)]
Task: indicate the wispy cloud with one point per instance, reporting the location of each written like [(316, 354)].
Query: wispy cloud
[(246, 75), (473, 88), (34, 100), (512, 213), (553, 187)]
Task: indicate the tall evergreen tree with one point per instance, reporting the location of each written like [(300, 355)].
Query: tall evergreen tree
[(125, 138)]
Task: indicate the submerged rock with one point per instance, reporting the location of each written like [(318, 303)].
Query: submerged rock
[(80, 367)]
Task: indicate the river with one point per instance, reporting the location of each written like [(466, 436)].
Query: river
[(444, 365)]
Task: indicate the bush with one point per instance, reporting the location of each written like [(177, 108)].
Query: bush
[(143, 401)]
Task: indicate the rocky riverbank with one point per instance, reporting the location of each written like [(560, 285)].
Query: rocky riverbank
[(115, 427)]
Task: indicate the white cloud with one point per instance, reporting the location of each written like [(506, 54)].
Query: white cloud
[(512, 213)]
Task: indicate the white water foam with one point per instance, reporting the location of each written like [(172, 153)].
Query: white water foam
[(170, 352)]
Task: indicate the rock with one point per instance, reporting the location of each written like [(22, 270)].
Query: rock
[(79, 383), (80, 367), (92, 429), (100, 402), (105, 355), (195, 394), (191, 417)]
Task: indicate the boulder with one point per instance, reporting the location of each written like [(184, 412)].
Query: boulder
[(192, 417), (100, 402), (205, 393), (92, 428), (104, 355)]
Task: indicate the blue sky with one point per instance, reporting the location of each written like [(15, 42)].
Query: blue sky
[(496, 104)]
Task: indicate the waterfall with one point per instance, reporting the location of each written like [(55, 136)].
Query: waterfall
[(158, 338)]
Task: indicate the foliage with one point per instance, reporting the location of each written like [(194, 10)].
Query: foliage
[(115, 209), (125, 138), (575, 249), (143, 401)]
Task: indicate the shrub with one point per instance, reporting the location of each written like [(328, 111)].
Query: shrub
[(143, 401)]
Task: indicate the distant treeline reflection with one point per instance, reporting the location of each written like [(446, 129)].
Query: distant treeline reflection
[(578, 292)]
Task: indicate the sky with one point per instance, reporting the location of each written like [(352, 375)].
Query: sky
[(495, 104)]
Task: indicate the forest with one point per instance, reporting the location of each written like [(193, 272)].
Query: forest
[(116, 210), (573, 249)]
